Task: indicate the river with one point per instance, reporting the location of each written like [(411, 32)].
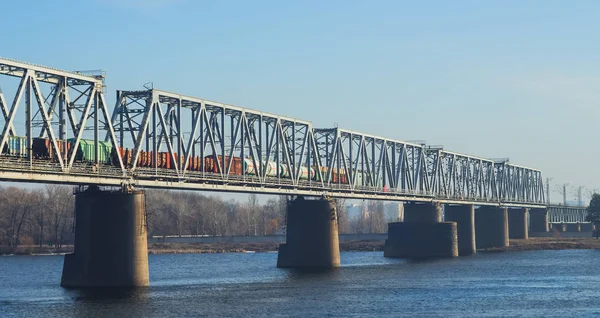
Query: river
[(531, 283)]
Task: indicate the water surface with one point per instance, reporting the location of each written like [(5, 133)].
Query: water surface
[(531, 283)]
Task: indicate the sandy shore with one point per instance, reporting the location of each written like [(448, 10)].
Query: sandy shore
[(535, 243)]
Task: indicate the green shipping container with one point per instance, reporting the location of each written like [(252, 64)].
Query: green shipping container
[(86, 150)]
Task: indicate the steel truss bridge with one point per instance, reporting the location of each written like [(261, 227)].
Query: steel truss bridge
[(566, 214), (61, 106)]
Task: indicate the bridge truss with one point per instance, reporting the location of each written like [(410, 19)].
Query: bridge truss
[(566, 214), (162, 139)]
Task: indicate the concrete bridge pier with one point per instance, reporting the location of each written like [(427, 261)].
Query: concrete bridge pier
[(558, 227), (422, 234), (573, 227), (538, 219), (464, 216), (491, 226), (586, 227), (311, 236), (518, 227), (110, 240)]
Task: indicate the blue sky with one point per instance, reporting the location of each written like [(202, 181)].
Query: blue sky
[(515, 79)]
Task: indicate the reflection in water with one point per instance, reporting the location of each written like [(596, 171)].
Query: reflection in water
[(312, 273), (109, 294)]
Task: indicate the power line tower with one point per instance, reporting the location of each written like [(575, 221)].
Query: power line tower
[(548, 190)]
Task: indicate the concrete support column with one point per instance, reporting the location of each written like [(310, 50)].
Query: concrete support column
[(558, 227), (110, 241), (421, 235), (422, 212), (573, 227), (517, 223), (311, 236), (464, 216), (538, 219), (586, 227), (491, 226)]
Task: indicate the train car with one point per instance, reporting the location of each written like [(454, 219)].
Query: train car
[(86, 150), (116, 153), (212, 165), (271, 167), (127, 160), (194, 164), (306, 173), (42, 148), (335, 176), (16, 146)]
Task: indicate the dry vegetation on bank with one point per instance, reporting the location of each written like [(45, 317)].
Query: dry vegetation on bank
[(535, 243)]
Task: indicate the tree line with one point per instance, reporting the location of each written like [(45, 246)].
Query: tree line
[(45, 216)]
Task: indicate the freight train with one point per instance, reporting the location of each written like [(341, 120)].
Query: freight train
[(42, 148)]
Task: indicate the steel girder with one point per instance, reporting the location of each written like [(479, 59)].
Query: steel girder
[(566, 214), (71, 101), (161, 122), (459, 176), (518, 184), (332, 160), (371, 162)]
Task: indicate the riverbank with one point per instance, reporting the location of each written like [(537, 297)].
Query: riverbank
[(550, 243), (194, 248), (534, 243)]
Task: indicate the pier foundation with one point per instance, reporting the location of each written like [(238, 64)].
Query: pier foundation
[(538, 220), (491, 226), (573, 227), (559, 227), (312, 235), (464, 216), (110, 240), (421, 235), (518, 227), (586, 227)]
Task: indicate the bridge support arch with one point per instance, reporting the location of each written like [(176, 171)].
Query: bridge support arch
[(491, 227), (421, 235), (111, 248), (464, 216), (311, 236), (518, 227)]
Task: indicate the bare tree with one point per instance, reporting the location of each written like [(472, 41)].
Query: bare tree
[(342, 214)]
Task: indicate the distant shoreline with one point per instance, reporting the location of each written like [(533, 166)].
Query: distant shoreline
[(532, 244)]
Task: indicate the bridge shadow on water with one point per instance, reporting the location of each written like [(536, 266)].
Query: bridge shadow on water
[(312, 273), (117, 294)]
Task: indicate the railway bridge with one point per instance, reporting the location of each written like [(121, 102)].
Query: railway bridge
[(58, 128)]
